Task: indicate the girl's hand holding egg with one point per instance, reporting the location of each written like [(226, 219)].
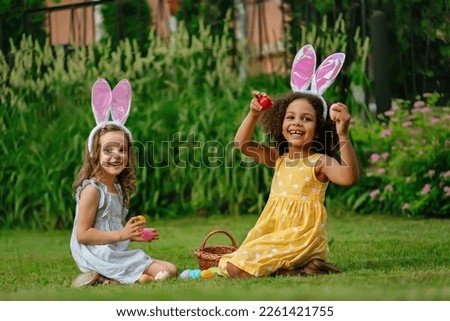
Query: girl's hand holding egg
[(333, 113), (265, 102), (148, 234), (340, 115)]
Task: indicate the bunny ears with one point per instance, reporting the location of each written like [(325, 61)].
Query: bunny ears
[(303, 73), (105, 102)]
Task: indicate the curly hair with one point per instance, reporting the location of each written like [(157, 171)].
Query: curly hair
[(91, 165), (326, 141)]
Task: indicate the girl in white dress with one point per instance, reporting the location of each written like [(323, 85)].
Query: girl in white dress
[(105, 183)]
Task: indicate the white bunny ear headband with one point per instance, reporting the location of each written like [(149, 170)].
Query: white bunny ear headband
[(303, 73), (104, 101)]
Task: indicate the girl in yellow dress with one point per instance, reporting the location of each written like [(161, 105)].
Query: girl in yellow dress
[(289, 237)]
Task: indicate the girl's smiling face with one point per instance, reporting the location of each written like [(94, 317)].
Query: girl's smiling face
[(299, 124), (113, 153)]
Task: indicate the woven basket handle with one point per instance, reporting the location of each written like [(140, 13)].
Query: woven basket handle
[(233, 242)]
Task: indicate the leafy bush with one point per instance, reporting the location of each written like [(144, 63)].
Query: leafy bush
[(405, 157)]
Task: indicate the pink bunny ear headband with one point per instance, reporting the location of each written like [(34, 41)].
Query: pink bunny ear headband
[(303, 73), (104, 101)]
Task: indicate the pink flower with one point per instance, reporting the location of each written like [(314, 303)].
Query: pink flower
[(431, 172), (434, 120), (385, 155), (419, 103), (395, 107), (426, 189), (385, 133), (447, 117), (447, 190), (374, 157), (407, 123), (405, 206), (394, 119), (381, 170), (389, 113), (389, 187), (415, 131), (374, 193), (426, 110), (445, 174), (408, 179)]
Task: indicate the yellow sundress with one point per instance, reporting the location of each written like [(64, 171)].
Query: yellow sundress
[(291, 229)]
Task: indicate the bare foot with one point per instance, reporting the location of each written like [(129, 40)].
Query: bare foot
[(145, 278), (162, 275)]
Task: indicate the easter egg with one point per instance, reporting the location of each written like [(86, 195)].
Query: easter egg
[(214, 270), (185, 274), (195, 274), (333, 113), (148, 233), (141, 218), (207, 274), (265, 102)]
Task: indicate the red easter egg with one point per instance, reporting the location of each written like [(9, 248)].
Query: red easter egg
[(265, 102)]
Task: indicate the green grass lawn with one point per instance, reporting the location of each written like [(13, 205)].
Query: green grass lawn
[(383, 258)]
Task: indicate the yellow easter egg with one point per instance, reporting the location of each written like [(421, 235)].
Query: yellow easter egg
[(206, 274), (141, 218)]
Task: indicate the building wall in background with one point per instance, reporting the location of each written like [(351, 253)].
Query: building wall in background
[(82, 26)]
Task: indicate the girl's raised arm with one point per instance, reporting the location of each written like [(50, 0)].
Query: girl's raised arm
[(243, 139), (347, 171)]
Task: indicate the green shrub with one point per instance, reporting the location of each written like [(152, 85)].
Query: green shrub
[(405, 157)]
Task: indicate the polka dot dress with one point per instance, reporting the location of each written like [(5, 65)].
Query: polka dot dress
[(291, 229)]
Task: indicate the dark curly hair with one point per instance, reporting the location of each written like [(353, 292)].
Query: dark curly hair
[(326, 141)]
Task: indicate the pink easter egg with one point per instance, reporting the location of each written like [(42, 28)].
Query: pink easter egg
[(147, 234)]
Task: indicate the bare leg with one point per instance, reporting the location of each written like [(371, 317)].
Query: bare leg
[(156, 267), (236, 272), (169, 267)]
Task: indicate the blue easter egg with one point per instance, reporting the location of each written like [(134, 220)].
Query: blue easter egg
[(195, 274), (185, 274)]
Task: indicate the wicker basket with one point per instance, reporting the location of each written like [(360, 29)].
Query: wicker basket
[(209, 256)]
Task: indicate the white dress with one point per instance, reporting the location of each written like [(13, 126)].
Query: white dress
[(113, 260)]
